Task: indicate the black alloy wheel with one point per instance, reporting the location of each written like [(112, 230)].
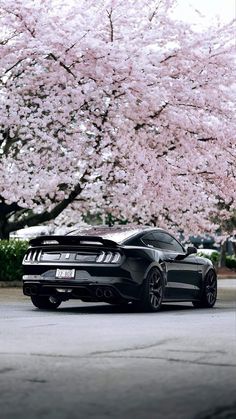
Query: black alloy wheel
[(153, 291), (209, 292), (45, 303)]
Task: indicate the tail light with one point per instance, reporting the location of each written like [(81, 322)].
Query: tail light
[(33, 255), (108, 257)]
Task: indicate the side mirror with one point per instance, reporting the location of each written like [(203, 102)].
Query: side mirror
[(191, 250)]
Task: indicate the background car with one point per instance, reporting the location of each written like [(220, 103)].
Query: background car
[(143, 265), (28, 233)]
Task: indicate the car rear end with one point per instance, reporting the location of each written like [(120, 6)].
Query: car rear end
[(78, 267)]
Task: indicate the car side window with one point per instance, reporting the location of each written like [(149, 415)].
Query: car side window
[(167, 242), (150, 240), (163, 241)]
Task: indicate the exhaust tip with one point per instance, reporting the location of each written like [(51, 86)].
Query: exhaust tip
[(99, 293), (108, 293), (30, 290)]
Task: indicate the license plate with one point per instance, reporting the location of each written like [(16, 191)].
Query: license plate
[(65, 273)]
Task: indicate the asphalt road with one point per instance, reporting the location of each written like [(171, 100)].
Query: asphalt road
[(98, 361)]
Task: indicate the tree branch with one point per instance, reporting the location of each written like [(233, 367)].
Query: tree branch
[(5, 41), (153, 14), (207, 139), (35, 219), (109, 13), (61, 64), (14, 65), (18, 16), (168, 58), (6, 209), (155, 115), (204, 172)]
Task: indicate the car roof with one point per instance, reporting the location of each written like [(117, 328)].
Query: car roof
[(116, 233)]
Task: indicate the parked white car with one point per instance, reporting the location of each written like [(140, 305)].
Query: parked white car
[(31, 232)]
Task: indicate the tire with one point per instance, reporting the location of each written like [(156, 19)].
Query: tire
[(153, 291), (209, 292), (45, 303)]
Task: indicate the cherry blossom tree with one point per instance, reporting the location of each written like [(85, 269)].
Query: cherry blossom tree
[(113, 107)]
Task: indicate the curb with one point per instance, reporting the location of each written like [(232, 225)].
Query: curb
[(10, 284)]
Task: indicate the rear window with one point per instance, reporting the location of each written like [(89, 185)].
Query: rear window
[(117, 234)]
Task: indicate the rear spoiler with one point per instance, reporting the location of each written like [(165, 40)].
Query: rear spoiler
[(72, 240)]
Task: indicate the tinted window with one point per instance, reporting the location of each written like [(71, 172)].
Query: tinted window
[(150, 240), (117, 234), (163, 241)]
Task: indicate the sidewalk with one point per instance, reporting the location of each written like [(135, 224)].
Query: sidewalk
[(10, 284), (226, 273)]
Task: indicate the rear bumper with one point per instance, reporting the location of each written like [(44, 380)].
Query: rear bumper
[(99, 289), (90, 282)]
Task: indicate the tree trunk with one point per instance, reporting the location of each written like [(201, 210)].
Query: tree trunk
[(222, 259), (234, 247), (4, 235)]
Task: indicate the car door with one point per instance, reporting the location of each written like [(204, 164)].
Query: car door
[(183, 276)]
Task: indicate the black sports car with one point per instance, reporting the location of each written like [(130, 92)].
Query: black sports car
[(117, 265)]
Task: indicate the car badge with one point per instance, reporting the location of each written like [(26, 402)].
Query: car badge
[(67, 256)]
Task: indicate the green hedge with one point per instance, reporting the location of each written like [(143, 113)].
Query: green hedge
[(231, 262), (11, 255), (215, 256)]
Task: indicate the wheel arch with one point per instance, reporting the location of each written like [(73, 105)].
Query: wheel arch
[(208, 292), (209, 268), (155, 265)]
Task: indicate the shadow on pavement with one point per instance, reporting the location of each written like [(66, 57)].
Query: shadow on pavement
[(116, 309)]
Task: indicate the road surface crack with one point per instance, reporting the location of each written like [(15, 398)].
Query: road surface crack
[(133, 348), (113, 356)]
